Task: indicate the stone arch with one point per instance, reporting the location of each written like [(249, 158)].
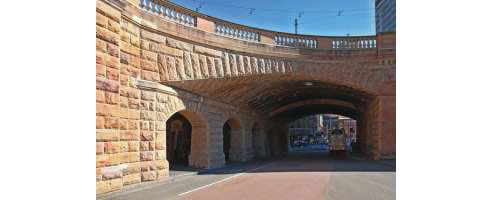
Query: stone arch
[(198, 155)]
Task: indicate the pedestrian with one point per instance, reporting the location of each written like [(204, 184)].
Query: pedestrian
[(349, 140)]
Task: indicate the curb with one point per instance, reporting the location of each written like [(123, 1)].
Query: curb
[(377, 161)]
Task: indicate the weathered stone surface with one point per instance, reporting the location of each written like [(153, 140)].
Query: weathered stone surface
[(148, 65), (188, 66), (111, 122), (149, 176), (147, 135), (99, 148), (107, 135), (127, 135), (108, 11), (163, 68), (101, 160), (179, 45), (148, 55), (240, 64), (107, 85), (203, 66), (169, 51), (113, 172), (147, 156), (144, 146), (101, 20), (171, 68), (211, 67), (131, 179), (148, 96), (180, 69), (207, 51), (152, 36), (107, 35), (233, 65), (133, 146)]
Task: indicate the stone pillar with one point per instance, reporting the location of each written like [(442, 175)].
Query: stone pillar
[(379, 127), (388, 126), (200, 148), (238, 147), (216, 151)]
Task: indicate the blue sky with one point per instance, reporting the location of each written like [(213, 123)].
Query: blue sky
[(320, 17)]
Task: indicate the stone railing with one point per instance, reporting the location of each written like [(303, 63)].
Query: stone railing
[(295, 41), (176, 13), (354, 43), (229, 31), (167, 11)]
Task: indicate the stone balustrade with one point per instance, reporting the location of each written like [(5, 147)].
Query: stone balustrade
[(176, 13), (168, 12), (295, 41), (229, 31), (354, 43)]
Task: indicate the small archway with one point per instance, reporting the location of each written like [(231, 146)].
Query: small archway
[(231, 140), (178, 140), (186, 140)]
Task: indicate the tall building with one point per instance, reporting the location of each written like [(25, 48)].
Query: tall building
[(385, 15)]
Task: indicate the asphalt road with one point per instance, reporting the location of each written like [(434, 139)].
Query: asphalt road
[(303, 175)]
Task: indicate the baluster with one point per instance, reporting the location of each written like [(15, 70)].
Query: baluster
[(157, 9), (231, 33), (167, 13), (222, 29), (178, 17), (162, 11), (189, 20), (375, 44), (151, 6)]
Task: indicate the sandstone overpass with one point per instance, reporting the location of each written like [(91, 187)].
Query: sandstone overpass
[(158, 63)]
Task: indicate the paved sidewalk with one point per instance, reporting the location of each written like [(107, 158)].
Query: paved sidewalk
[(185, 178)]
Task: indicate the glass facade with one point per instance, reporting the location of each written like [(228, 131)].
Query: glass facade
[(385, 15)]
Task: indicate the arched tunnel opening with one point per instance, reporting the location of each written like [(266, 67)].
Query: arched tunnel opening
[(285, 99), (321, 133)]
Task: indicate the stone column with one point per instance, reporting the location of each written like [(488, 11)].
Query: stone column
[(200, 148), (379, 127), (388, 126)]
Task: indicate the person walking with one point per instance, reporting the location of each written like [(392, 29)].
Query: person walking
[(349, 140)]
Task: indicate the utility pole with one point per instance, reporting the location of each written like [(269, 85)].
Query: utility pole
[(295, 24)]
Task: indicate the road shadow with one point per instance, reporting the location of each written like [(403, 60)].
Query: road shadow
[(308, 162)]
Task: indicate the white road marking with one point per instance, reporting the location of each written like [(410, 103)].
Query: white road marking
[(199, 188)]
